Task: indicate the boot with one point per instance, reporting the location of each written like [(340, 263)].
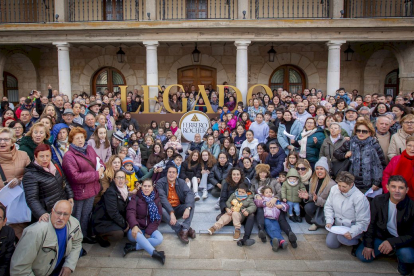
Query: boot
[(129, 247), (262, 234), (102, 242), (275, 244), (211, 230), (298, 219), (89, 240), (191, 233), (183, 236), (236, 235), (159, 256), (293, 239), (292, 218)]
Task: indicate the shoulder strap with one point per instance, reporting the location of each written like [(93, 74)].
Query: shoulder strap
[(87, 160), (3, 177)]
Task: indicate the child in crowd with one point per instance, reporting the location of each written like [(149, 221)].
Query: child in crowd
[(246, 120), (223, 127), (208, 133), (231, 121), (239, 111), (290, 194), (214, 124), (282, 177), (342, 95), (272, 110), (268, 118), (150, 133), (225, 111), (239, 206), (140, 139), (174, 144), (131, 179), (271, 215), (161, 136)]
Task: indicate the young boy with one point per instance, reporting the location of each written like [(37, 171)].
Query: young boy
[(267, 118), (271, 109), (224, 127), (290, 194), (282, 177), (271, 215), (239, 206), (341, 95), (131, 179), (214, 124), (161, 134)]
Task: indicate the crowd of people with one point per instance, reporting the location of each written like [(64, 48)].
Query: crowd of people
[(89, 174)]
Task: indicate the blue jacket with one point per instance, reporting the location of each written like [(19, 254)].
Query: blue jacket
[(345, 98), (312, 149), (55, 132), (276, 162), (295, 130)]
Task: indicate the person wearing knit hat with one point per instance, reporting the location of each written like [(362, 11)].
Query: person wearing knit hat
[(131, 178), (319, 188)]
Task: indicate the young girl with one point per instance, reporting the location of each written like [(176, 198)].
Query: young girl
[(140, 139), (207, 163), (271, 215), (241, 136), (246, 153), (135, 154), (167, 126), (261, 150), (191, 171), (231, 104), (150, 133), (175, 144), (232, 121), (239, 111), (291, 161), (223, 127), (245, 120), (146, 149), (154, 127), (208, 133), (248, 168), (160, 166), (232, 155), (176, 131), (100, 143), (156, 156), (224, 147)]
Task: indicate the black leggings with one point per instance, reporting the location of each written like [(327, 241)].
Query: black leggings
[(310, 210), (248, 226), (284, 225)]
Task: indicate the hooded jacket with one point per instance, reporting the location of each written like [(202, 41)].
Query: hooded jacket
[(28, 145), (55, 132), (351, 209), (253, 148), (248, 203), (289, 192), (214, 149)]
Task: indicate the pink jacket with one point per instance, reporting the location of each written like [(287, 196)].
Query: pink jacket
[(232, 123), (81, 175), (271, 213), (102, 152)]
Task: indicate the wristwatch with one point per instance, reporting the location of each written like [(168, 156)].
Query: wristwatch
[(189, 208)]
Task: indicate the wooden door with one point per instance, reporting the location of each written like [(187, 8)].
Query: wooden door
[(197, 75), (196, 9), (113, 10)]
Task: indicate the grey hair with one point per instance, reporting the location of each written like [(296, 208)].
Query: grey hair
[(392, 114), (364, 108), (56, 204)]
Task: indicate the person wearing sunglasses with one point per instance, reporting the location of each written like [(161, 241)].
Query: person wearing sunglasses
[(367, 160), (50, 248)]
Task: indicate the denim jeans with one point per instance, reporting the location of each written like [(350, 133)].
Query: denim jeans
[(293, 206), (404, 255), (272, 228), (140, 171), (144, 243)]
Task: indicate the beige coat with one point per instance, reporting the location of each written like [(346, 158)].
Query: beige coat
[(323, 192), (397, 144), (13, 164), (36, 252)]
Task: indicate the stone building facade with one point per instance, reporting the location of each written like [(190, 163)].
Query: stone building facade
[(310, 52)]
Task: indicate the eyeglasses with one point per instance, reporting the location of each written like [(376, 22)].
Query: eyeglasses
[(301, 169), (409, 123), (5, 140), (59, 214), (15, 128), (120, 177), (363, 131), (272, 147)]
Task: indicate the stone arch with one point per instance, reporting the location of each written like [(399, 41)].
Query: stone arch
[(187, 60), (304, 63), (20, 65), (86, 76), (379, 64)]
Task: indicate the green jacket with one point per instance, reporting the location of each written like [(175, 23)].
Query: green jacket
[(248, 203), (28, 145), (37, 251), (290, 193)]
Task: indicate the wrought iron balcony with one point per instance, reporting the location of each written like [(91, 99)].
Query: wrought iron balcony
[(27, 11), (267, 9)]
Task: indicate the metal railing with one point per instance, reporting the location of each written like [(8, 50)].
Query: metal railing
[(27, 11), (264, 9), (106, 10), (378, 8), (196, 9)]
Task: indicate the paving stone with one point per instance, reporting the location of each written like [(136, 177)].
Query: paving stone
[(176, 264), (102, 262), (174, 248), (124, 272), (83, 262), (169, 272), (304, 251), (201, 249), (263, 251), (325, 253), (228, 250), (345, 266), (282, 265), (292, 273), (237, 264), (256, 273), (98, 251), (86, 271), (316, 238), (362, 274)]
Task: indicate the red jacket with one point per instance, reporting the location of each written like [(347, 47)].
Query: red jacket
[(137, 213), (82, 177), (390, 171)]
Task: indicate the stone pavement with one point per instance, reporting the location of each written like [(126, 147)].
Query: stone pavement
[(219, 255)]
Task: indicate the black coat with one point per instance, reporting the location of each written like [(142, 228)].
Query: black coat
[(194, 171), (249, 173), (43, 190), (7, 239), (218, 173), (110, 212), (276, 162), (379, 218)]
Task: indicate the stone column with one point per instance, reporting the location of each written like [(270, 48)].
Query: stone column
[(334, 66), (152, 69), (242, 67), (243, 5), (64, 68)]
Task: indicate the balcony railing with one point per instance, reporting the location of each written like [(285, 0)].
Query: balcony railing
[(26, 11), (378, 8), (106, 10), (266, 9), (197, 9)]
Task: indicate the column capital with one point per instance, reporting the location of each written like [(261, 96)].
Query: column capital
[(335, 43), (242, 43), (61, 44), (150, 43)]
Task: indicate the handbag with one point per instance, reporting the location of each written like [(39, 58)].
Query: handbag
[(338, 166), (17, 211), (319, 218)]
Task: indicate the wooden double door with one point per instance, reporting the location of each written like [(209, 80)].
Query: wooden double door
[(197, 75)]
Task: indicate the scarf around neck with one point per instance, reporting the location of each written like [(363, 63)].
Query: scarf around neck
[(80, 149), (240, 197), (50, 169), (123, 191), (174, 129), (305, 134), (108, 122), (152, 207)]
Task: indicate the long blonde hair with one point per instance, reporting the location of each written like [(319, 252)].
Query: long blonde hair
[(314, 182), (110, 172)]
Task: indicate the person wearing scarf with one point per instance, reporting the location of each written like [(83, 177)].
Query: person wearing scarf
[(108, 217), (176, 131), (402, 165), (144, 217)]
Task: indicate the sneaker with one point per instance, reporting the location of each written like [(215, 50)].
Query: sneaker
[(298, 219), (403, 268), (217, 206), (205, 194), (313, 227), (275, 244), (236, 235), (283, 244), (196, 197), (248, 242), (292, 239), (211, 230), (262, 235), (292, 218)]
